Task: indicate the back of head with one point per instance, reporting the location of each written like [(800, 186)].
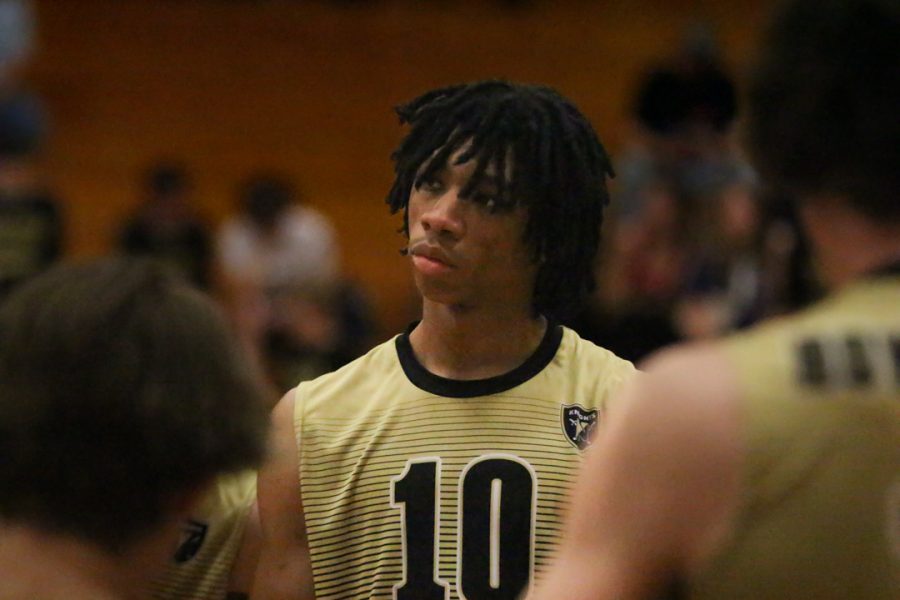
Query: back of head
[(22, 126), (557, 168), (120, 388), (167, 180), (823, 103), (265, 198)]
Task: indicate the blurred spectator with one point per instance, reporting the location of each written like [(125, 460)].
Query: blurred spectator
[(639, 278), (684, 114), (167, 227), (315, 330), (692, 252), (30, 224), (16, 36), (280, 264), (276, 241), (22, 117), (722, 288), (31, 229)]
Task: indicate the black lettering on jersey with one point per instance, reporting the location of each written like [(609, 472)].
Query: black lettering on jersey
[(849, 361), (514, 483), (811, 359), (192, 536), (859, 367), (578, 424), (895, 355)]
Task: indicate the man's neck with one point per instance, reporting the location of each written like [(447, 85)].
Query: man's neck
[(466, 344), (41, 565), (848, 245)]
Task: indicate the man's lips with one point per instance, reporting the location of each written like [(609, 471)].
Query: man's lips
[(431, 254), (430, 259)]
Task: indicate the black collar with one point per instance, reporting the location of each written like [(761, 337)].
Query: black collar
[(456, 388), (886, 270)]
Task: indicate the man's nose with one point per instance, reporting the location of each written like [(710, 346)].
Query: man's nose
[(443, 216)]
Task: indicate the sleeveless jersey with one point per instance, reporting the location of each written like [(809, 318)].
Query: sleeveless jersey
[(209, 543), (417, 487), (820, 517)]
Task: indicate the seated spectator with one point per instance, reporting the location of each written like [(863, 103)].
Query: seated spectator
[(122, 397), (280, 258), (275, 240), (166, 226), (315, 330), (692, 252), (684, 114), (30, 223), (31, 227)]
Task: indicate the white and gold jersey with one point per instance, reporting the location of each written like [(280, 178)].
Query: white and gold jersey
[(415, 486)]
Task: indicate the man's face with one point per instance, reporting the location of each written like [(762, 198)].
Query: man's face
[(463, 253)]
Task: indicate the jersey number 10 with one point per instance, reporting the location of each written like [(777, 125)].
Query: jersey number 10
[(496, 516)]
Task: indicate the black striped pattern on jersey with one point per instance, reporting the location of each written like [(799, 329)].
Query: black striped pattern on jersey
[(355, 449)]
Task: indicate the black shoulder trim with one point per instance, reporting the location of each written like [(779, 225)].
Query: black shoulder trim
[(886, 270), (456, 388), (676, 590)]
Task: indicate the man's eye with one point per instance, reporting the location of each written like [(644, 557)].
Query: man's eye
[(428, 185), (487, 200)]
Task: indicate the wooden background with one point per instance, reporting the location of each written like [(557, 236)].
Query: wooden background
[(306, 87)]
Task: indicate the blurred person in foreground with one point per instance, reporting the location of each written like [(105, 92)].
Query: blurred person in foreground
[(767, 465), (122, 398), (436, 465)]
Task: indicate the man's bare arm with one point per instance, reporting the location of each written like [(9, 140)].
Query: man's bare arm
[(240, 579), (284, 571), (658, 488)]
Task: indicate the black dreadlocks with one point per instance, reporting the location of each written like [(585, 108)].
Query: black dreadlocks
[(558, 171)]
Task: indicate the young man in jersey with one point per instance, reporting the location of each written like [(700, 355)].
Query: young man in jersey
[(767, 465), (436, 465), (122, 396)]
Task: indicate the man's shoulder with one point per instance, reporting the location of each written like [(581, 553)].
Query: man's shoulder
[(589, 371), (694, 378), (375, 368), (580, 354), (586, 350)]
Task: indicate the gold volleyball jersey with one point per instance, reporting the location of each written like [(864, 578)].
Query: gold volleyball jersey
[(417, 487), (821, 508), (210, 542)]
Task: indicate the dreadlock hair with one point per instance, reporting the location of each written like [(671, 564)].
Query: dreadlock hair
[(558, 172)]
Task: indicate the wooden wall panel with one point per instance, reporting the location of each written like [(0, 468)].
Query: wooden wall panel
[(306, 87)]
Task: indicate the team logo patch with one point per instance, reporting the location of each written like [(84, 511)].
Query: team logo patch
[(192, 535), (578, 423)]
